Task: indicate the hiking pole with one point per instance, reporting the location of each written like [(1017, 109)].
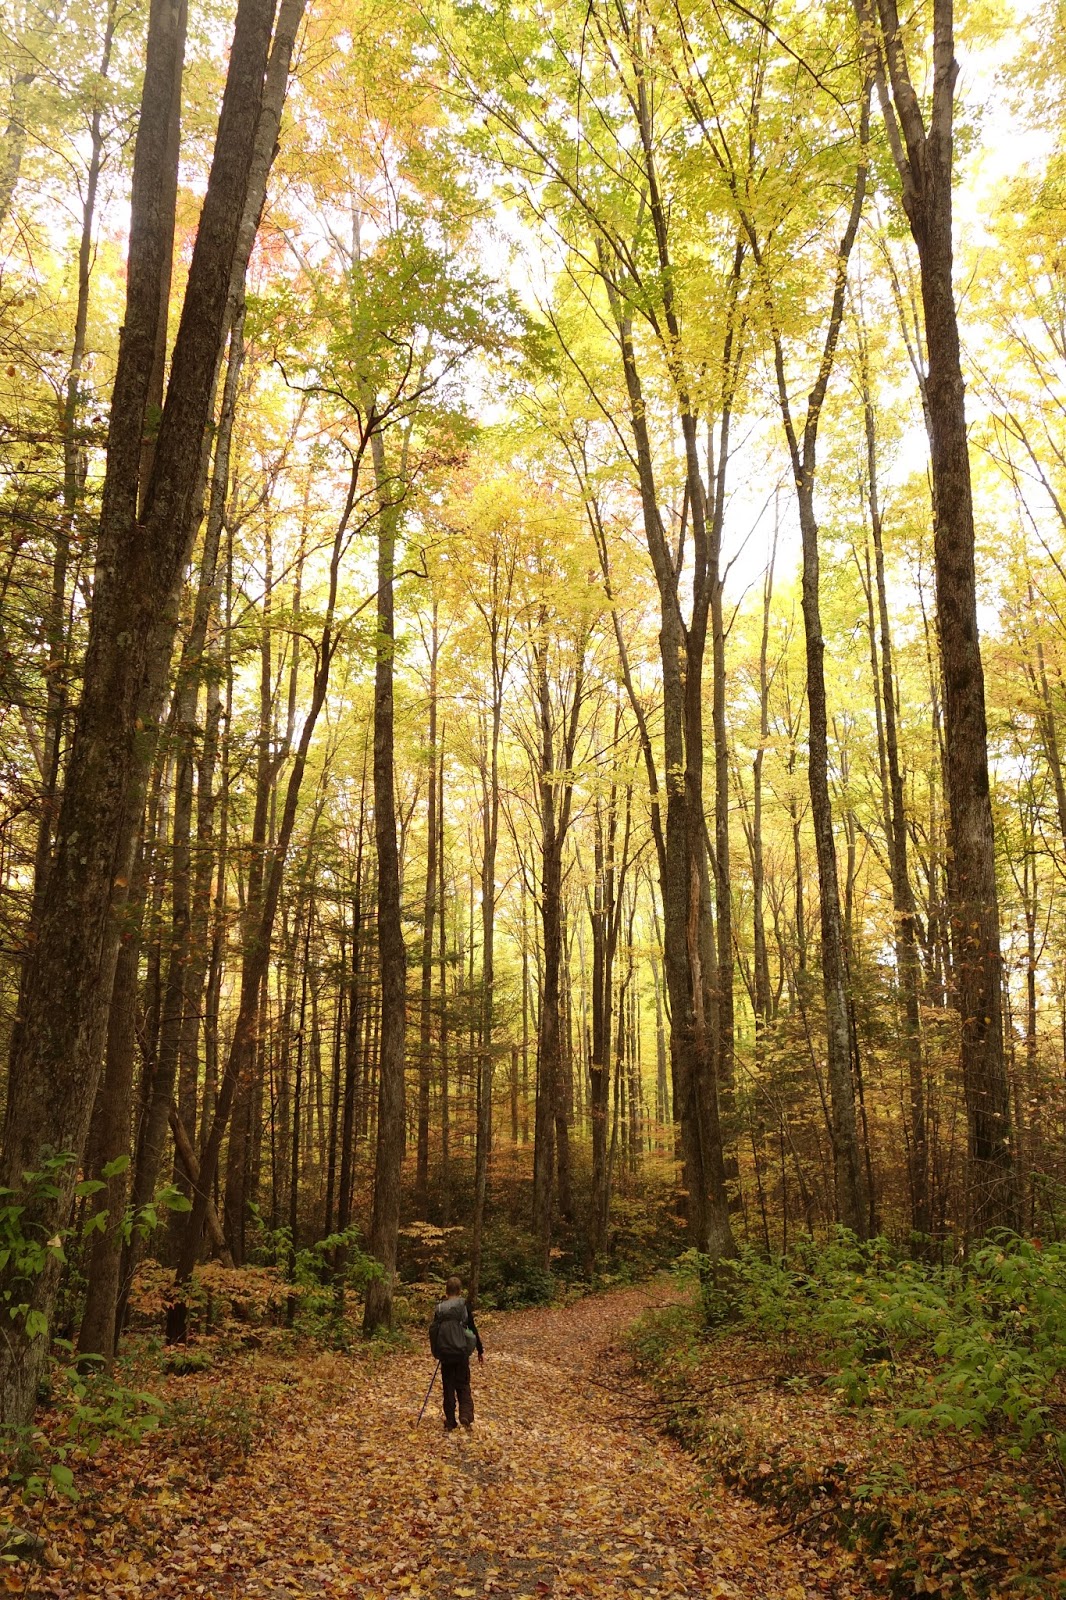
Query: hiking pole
[(429, 1391)]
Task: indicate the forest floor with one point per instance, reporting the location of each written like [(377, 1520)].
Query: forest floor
[(563, 1487)]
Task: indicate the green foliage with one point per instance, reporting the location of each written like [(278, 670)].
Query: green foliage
[(91, 1408), (183, 1361), (976, 1347), (25, 1252), (318, 1265), (147, 1218), (217, 1424), (27, 1247), (511, 1273), (667, 1331), (643, 1234), (319, 1274)]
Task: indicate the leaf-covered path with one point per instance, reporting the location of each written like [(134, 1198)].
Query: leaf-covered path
[(562, 1488)]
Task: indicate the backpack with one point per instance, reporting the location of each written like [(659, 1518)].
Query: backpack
[(454, 1337)]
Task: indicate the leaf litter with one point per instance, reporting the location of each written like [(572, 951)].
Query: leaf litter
[(564, 1487)]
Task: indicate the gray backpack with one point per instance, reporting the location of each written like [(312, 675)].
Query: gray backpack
[(454, 1337)]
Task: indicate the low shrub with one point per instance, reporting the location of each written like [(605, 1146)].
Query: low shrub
[(842, 1389), (90, 1408), (980, 1346), (220, 1426), (511, 1272)]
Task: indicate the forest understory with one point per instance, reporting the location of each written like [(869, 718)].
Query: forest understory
[(281, 1468), (302, 1474)]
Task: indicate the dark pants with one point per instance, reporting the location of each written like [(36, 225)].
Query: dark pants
[(455, 1378)]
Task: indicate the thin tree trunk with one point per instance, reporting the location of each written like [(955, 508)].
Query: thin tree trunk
[(297, 1112), (428, 918), (352, 1062), (392, 959), (763, 991), (97, 1334), (74, 466), (261, 912), (445, 1088), (689, 948), (564, 1084), (852, 1200), (896, 840), (555, 802), (490, 807)]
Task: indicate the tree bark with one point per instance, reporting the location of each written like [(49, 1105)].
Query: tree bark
[(392, 958), (555, 803), (261, 912), (97, 1334), (924, 159), (428, 919), (688, 945), (905, 938), (74, 469), (56, 1052), (442, 983)]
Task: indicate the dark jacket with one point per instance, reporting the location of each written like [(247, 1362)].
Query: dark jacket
[(456, 1307)]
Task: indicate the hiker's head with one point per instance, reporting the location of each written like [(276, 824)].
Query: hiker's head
[(454, 1285)]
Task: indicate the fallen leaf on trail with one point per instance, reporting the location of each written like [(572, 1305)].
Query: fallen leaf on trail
[(560, 1490)]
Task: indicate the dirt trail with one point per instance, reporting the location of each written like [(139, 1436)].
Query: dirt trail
[(560, 1489), (564, 1487)]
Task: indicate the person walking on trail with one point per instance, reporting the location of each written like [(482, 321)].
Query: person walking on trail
[(453, 1339)]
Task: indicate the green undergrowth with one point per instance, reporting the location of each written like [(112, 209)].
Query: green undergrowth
[(914, 1415), (644, 1236)]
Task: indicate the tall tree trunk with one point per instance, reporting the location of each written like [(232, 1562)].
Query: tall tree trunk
[(167, 201), (392, 958), (352, 1062), (490, 810), (97, 1334), (297, 1107), (689, 948), (428, 918), (906, 943), (923, 157), (763, 991), (714, 516), (564, 1081), (56, 1051), (176, 1000), (852, 1201), (612, 863), (555, 803), (662, 1087), (259, 925), (74, 467), (525, 1016), (332, 1136), (602, 918), (442, 983), (1049, 736)]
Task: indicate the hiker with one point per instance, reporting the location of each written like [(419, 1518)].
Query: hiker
[(453, 1338)]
